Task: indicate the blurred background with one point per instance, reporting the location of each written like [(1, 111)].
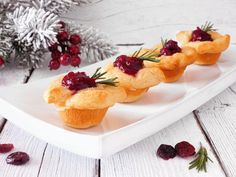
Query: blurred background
[(145, 21)]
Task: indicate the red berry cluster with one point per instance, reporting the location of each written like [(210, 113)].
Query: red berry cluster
[(66, 51), (15, 158), (2, 62), (182, 149)]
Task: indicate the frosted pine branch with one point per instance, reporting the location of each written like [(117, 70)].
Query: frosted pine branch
[(27, 57), (34, 27), (57, 6), (95, 45)]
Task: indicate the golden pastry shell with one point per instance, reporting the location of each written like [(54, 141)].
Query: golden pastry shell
[(219, 43)]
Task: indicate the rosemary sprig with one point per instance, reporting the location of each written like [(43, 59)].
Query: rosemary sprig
[(208, 26), (201, 160), (98, 74), (102, 80), (163, 42), (111, 81), (148, 55)]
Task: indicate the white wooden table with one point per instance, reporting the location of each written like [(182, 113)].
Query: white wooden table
[(131, 23)]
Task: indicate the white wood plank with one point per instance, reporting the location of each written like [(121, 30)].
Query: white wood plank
[(140, 159), (60, 163), (217, 118), (22, 142), (135, 21)]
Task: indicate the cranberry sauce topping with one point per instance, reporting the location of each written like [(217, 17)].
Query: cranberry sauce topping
[(128, 65), (200, 35), (171, 47), (78, 81)]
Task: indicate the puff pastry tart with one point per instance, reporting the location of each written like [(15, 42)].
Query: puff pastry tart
[(83, 101), (132, 74), (173, 60), (208, 43)]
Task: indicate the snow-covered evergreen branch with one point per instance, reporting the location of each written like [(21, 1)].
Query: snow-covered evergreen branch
[(29, 27), (34, 27), (95, 46)]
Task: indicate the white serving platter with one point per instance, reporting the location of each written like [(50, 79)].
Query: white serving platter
[(124, 124)]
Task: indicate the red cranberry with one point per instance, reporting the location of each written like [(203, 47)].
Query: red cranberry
[(184, 149), (74, 50), (171, 47), (54, 64), (17, 158), (56, 54), (75, 60), (200, 35), (166, 152), (6, 148), (129, 65), (78, 81), (62, 36), (62, 24), (2, 62), (53, 47), (75, 39), (65, 59)]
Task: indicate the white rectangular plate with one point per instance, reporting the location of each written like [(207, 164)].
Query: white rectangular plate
[(124, 124)]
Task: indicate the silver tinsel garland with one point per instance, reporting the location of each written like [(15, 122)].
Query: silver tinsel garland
[(28, 27)]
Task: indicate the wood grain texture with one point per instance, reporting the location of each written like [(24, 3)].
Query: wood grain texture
[(60, 163), (22, 142), (140, 159), (217, 117), (146, 21)]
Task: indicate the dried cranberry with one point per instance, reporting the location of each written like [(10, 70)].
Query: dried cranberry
[(53, 47), (75, 39), (62, 36), (56, 54), (184, 149), (129, 65), (65, 59), (73, 49), (54, 64), (78, 81), (17, 158), (6, 148), (171, 47), (75, 60), (166, 152), (200, 35)]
